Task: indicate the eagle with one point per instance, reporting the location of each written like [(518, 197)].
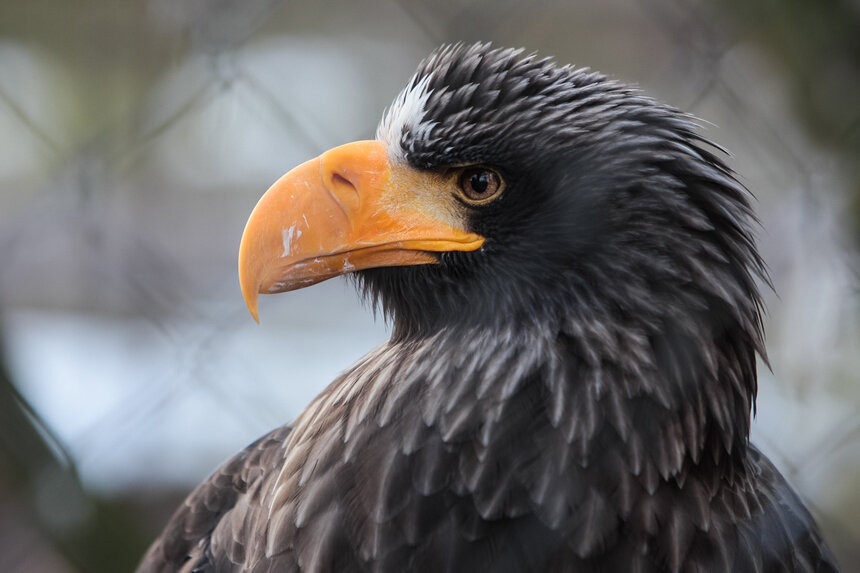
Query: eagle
[(571, 276)]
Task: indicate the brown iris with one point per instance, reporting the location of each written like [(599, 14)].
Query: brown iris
[(480, 184)]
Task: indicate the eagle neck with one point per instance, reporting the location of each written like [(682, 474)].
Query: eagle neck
[(591, 387)]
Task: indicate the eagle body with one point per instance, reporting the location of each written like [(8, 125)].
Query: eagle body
[(568, 392)]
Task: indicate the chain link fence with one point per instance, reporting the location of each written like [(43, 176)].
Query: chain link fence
[(136, 137)]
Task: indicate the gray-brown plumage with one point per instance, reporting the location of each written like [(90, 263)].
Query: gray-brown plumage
[(574, 395)]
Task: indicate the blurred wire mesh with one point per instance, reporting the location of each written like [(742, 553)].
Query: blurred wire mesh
[(135, 138)]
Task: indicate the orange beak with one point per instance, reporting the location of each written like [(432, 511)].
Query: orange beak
[(346, 210)]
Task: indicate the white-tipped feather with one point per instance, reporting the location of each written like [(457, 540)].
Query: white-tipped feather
[(405, 114)]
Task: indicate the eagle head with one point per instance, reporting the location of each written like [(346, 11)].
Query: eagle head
[(505, 192), (502, 188)]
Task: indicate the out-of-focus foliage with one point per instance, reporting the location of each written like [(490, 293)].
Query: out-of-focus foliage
[(817, 44)]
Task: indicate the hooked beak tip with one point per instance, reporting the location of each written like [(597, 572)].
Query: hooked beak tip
[(251, 297)]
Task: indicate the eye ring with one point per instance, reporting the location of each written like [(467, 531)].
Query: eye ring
[(479, 185)]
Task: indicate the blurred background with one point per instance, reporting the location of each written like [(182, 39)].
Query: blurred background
[(136, 136)]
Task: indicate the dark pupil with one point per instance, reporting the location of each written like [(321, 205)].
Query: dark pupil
[(479, 182)]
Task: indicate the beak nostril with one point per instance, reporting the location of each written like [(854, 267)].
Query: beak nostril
[(344, 191), (339, 180)]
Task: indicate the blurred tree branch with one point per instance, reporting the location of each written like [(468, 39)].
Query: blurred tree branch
[(93, 535)]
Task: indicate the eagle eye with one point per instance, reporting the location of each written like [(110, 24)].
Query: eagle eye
[(480, 185)]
